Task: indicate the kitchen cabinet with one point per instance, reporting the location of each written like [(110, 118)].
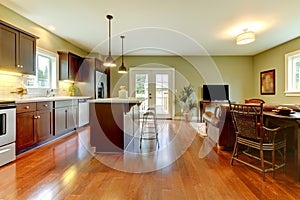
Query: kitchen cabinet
[(34, 123), (45, 120), (8, 51), (27, 53), (25, 128), (65, 116), (69, 65), (17, 50), (87, 71)]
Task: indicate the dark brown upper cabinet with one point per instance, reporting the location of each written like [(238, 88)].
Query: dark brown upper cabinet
[(27, 54), (17, 50), (69, 65)]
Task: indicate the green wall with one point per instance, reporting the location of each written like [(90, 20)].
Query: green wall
[(274, 59), (47, 40), (237, 71), (183, 69)]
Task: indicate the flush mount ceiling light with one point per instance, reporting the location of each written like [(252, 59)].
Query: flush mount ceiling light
[(245, 38), (122, 68), (109, 61)]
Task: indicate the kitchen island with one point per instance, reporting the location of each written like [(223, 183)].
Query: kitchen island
[(113, 123)]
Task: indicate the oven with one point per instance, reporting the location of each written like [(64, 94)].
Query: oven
[(7, 132)]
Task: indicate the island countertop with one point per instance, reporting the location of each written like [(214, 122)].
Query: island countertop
[(116, 100)]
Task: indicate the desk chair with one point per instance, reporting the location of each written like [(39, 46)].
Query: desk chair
[(251, 133)]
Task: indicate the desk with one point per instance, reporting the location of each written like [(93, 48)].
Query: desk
[(292, 120)]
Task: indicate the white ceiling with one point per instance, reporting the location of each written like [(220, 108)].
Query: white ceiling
[(156, 27)]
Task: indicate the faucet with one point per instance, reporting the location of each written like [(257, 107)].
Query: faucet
[(49, 92)]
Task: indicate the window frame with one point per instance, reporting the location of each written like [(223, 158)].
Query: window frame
[(289, 74), (53, 70)]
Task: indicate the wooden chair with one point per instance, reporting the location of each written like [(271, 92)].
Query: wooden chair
[(251, 133), (258, 101)]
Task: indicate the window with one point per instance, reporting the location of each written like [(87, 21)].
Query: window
[(45, 71), (292, 74)]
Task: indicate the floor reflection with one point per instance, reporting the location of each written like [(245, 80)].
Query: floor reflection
[(174, 138)]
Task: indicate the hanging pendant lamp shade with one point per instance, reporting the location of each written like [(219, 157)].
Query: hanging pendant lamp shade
[(122, 68), (245, 38), (109, 61)]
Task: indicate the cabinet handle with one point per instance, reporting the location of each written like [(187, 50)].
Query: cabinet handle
[(37, 117), (26, 107), (66, 119), (45, 105), (21, 66)]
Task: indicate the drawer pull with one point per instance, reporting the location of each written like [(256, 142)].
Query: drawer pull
[(26, 107), (45, 105), (4, 150)]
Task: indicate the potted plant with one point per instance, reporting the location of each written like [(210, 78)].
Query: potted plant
[(187, 100)]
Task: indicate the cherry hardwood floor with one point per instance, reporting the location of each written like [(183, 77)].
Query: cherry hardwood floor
[(65, 169)]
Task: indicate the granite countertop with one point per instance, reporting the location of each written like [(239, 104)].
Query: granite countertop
[(116, 100), (54, 98)]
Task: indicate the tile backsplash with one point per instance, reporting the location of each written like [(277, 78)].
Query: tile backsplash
[(9, 83)]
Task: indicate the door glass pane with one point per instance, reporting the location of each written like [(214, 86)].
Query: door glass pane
[(141, 92), (162, 93), (155, 87)]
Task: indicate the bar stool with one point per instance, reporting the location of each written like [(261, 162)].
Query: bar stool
[(149, 126)]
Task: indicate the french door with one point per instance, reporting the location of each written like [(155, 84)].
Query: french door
[(155, 86)]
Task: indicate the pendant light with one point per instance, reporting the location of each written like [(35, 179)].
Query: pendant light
[(109, 61), (122, 68)]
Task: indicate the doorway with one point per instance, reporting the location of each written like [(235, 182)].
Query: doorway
[(156, 87)]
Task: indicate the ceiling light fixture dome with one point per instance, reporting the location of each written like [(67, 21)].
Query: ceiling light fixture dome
[(109, 61), (245, 38), (122, 68)]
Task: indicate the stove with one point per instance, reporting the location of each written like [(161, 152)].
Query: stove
[(7, 104), (7, 131)]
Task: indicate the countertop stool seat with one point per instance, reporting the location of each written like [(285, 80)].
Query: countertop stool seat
[(149, 126)]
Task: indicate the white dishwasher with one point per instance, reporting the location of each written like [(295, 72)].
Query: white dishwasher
[(83, 109)]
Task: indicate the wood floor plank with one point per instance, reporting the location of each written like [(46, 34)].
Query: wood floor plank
[(65, 169)]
